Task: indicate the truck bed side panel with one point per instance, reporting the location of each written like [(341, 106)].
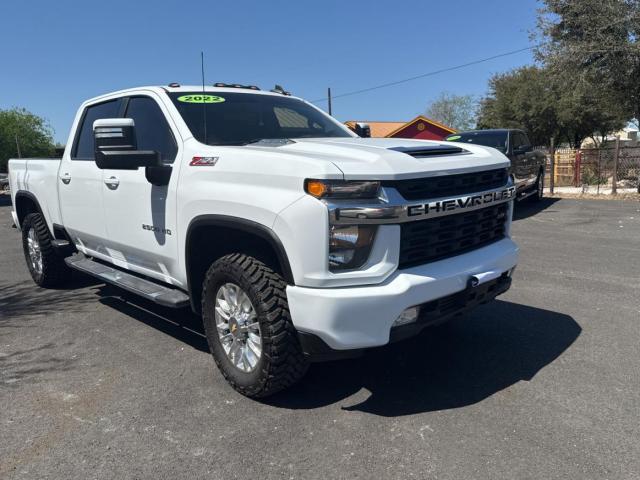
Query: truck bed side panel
[(38, 176)]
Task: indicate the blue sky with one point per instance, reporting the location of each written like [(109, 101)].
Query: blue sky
[(57, 54)]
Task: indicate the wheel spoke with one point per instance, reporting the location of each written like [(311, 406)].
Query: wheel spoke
[(224, 314), (237, 326)]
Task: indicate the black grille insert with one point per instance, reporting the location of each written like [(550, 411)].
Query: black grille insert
[(437, 238), (449, 185)]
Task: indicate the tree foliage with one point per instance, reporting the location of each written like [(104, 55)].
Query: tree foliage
[(547, 105), (594, 44), (455, 111), (34, 135)]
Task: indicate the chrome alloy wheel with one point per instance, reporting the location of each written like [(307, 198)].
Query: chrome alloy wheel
[(238, 327), (35, 253)]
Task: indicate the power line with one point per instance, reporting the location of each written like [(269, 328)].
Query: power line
[(428, 74), (457, 67)]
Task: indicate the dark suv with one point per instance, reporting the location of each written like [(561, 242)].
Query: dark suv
[(527, 165)]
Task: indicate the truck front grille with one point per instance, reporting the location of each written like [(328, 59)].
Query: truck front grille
[(449, 185), (434, 239)]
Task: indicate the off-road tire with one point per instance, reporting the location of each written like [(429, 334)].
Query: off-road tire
[(282, 362), (54, 271)]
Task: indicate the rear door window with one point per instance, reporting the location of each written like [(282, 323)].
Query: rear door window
[(84, 147)]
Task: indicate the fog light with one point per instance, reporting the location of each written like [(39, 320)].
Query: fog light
[(410, 315)]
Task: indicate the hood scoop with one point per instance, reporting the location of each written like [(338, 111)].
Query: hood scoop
[(430, 150)]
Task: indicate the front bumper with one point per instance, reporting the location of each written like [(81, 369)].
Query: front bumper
[(361, 317)]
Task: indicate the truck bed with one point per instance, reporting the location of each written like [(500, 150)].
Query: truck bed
[(38, 176)]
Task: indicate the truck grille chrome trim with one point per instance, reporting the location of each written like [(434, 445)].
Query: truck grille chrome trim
[(395, 209)]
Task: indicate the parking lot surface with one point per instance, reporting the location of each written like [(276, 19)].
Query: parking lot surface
[(543, 383)]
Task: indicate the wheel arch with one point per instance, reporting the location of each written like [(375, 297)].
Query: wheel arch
[(26, 203), (210, 237)]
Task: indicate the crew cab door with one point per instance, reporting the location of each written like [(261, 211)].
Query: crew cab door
[(80, 183), (140, 217)]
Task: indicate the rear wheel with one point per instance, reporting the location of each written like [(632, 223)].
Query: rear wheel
[(248, 326), (46, 267)]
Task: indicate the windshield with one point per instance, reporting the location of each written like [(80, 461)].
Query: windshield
[(496, 140), (242, 118)]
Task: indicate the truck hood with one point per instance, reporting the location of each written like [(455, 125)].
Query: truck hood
[(391, 159)]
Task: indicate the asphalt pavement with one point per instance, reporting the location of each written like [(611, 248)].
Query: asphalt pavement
[(543, 383)]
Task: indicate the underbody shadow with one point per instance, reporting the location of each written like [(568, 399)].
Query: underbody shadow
[(529, 207), (182, 324), (458, 364)]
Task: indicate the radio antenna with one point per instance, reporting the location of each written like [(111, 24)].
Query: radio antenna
[(204, 103)]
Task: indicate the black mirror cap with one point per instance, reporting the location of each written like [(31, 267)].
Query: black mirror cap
[(126, 159), (362, 130)]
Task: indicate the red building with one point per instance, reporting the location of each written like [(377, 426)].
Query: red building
[(421, 128)]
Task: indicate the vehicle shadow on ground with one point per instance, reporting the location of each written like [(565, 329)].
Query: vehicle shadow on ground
[(182, 324), (23, 299), (5, 200), (528, 207), (458, 364)]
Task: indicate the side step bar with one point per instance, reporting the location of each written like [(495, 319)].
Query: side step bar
[(160, 294)]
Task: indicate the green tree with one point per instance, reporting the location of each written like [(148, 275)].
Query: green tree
[(34, 135), (546, 105), (596, 43), (455, 111), (522, 98)]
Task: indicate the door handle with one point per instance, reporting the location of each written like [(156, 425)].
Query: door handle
[(65, 178), (112, 182)]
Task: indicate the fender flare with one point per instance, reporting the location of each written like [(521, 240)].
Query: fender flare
[(32, 197), (244, 225)]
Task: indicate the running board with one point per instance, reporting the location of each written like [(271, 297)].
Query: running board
[(165, 296)]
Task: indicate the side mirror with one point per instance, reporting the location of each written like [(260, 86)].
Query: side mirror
[(362, 130), (522, 149), (116, 146)]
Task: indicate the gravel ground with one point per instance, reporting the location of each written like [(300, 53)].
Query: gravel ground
[(543, 383)]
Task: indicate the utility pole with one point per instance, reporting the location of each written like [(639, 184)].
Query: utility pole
[(329, 99), (18, 146)]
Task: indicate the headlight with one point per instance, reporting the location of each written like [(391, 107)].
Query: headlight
[(338, 189), (350, 245)]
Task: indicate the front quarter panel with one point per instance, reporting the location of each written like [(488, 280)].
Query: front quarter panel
[(244, 183)]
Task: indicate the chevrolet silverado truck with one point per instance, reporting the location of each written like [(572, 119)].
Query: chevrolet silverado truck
[(295, 240), (527, 165)]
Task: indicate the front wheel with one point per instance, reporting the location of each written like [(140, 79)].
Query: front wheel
[(248, 326)]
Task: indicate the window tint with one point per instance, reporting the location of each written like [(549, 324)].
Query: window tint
[(488, 138), (152, 129), (84, 149), (519, 140), (240, 118)]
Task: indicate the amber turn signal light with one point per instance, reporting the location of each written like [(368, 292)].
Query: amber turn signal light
[(316, 188)]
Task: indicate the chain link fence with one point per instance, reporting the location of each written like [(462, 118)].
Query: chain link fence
[(609, 169)]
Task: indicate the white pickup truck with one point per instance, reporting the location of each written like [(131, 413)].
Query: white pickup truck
[(295, 239)]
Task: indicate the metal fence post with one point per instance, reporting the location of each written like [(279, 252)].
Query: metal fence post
[(616, 156), (552, 152)]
